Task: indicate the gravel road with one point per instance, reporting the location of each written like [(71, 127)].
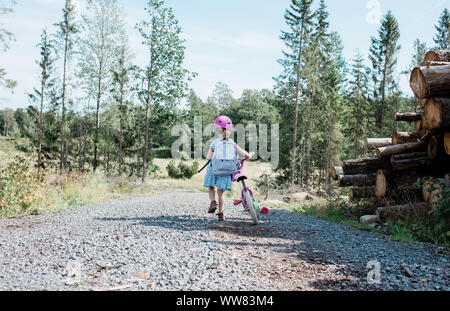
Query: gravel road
[(169, 242)]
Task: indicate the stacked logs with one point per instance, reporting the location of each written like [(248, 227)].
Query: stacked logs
[(386, 181)]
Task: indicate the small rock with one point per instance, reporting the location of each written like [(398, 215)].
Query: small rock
[(368, 219)]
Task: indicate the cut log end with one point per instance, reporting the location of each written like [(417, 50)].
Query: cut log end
[(335, 172), (447, 143), (380, 184)]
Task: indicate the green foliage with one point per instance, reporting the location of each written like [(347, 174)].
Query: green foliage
[(182, 171), (19, 188), (442, 39)]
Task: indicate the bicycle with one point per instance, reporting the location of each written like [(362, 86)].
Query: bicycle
[(247, 199)]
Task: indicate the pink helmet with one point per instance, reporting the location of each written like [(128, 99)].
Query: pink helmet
[(223, 122)]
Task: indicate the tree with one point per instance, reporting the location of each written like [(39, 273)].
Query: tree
[(222, 96), (299, 19), (164, 77), (5, 37), (66, 31), (442, 38), (121, 82), (383, 55), (46, 67), (98, 46), (357, 116)]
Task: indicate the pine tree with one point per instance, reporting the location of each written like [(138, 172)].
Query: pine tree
[(442, 38), (164, 77), (65, 35), (299, 19), (47, 47), (383, 55), (357, 118), (121, 89)]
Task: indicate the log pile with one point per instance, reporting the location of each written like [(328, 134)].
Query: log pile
[(386, 180)]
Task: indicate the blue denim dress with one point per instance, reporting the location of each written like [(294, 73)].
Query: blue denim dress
[(220, 182)]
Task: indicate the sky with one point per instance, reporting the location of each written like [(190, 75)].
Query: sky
[(235, 41)]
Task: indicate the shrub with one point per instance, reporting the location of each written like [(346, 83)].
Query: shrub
[(19, 188), (182, 171)]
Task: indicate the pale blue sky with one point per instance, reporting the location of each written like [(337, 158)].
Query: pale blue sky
[(234, 41)]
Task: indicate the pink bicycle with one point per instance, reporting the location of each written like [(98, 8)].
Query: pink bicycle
[(247, 199)]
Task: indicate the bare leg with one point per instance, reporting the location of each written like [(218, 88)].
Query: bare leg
[(221, 200), (212, 194)]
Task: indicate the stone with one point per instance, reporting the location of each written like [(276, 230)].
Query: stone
[(368, 219)]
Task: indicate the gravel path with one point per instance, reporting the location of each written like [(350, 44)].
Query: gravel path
[(168, 242)]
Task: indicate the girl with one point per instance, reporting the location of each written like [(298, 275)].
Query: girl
[(223, 126)]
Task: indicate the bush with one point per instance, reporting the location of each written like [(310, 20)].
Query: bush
[(19, 188), (182, 171)]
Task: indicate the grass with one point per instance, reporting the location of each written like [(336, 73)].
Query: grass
[(334, 211)]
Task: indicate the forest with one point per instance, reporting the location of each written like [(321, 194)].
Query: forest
[(116, 117)]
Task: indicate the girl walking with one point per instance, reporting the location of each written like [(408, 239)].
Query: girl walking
[(213, 180)]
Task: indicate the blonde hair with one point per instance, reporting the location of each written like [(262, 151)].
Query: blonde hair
[(224, 133)]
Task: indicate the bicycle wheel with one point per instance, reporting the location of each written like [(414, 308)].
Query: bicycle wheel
[(251, 207)]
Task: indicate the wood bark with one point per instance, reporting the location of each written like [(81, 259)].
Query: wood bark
[(360, 180), (399, 138), (399, 149), (336, 171), (374, 143), (411, 210), (447, 143), (429, 82), (408, 116), (405, 156), (362, 192), (387, 180), (437, 113), (402, 165), (439, 56), (363, 166)]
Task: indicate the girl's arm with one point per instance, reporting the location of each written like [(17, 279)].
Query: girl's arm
[(210, 154), (243, 153)]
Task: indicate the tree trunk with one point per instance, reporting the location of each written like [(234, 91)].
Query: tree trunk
[(363, 166), (386, 181), (297, 99), (121, 129), (429, 82), (436, 147), (398, 149), (374, 143), (405, 156), (408, 116), (147, 111), (40, 126), (447, 143), (437, 113), (336, 171), (361, 180), (439, 56), (399, 138), (402, 165), (97, 116), (411, 210), (362, 192), (63, 165)]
